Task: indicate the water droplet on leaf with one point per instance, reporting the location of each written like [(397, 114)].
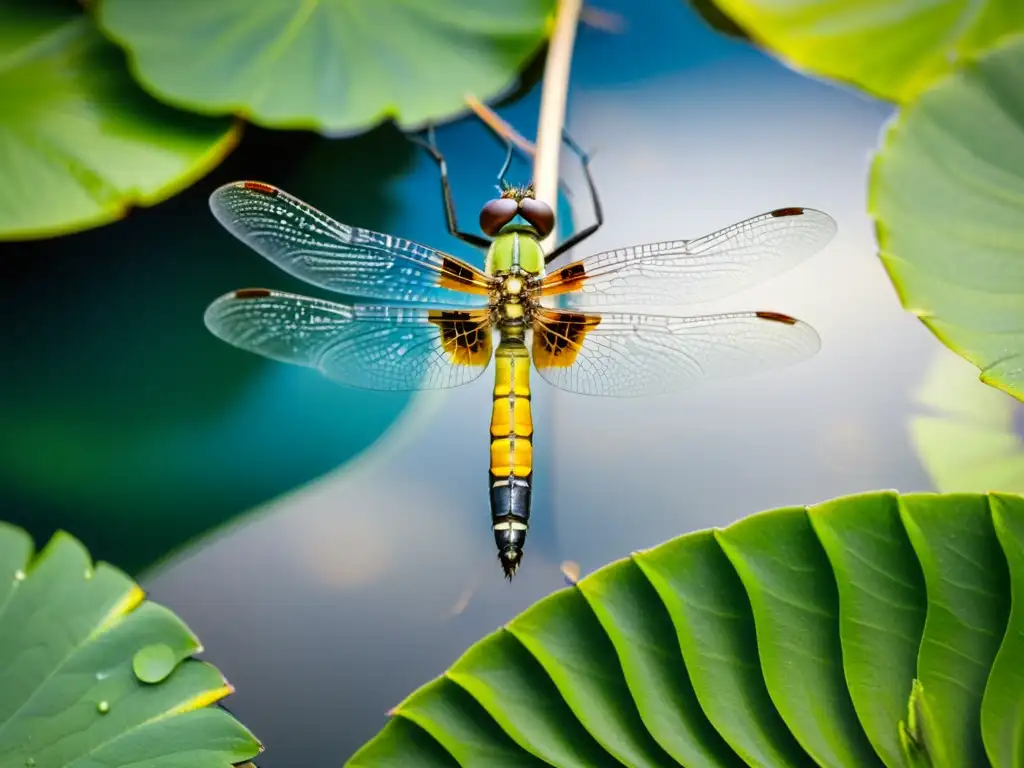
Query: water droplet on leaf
[(154, 663), (19, 575), (103, 707), (30, 762)]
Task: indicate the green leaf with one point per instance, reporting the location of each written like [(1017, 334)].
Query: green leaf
[(882, 594), (80, 143), (890, 48), (917, 734), (68, 693), (970, 442), (714, 625), (337, 67), (394, 744), (1002, 709), (968, 604), (455, 720), (652, 664), (865, 629), (796, 616), (565, 637), (947, 196)]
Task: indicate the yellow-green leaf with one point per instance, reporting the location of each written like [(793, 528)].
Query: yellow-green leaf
[(890, 48)]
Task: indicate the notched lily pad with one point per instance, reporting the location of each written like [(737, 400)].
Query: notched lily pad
[(79, 141), (68, 691), (947, 197), (336, 67)]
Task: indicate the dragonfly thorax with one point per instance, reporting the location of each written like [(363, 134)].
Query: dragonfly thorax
[(516, 250)]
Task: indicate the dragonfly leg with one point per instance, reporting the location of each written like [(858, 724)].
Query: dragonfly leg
[(430, 145), (578, 237), (502, 184)]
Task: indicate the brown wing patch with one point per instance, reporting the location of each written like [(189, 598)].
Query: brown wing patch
[(777, 317), (787, 212), (457, 275), (465, 335), (252, 293), (558, 336), (259, 186), (569, 278)]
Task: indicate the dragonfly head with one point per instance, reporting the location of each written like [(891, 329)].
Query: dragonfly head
[(517, 201)]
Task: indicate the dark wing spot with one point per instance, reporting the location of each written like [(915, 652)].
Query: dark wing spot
[(259, 186), (788, 212), (569, 278), (464, 337), (777, 317), (458, 276), (252, 293), (558, 337)]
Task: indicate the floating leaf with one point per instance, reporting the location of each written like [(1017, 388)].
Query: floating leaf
[(972, 440), (947, 196), (68, 694), (872, 630), (890, 48), (79, 141), (337, 67)]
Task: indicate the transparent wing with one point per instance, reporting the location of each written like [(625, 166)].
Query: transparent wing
[(627, 355), (691, 271), (314, 247), (386, 348)]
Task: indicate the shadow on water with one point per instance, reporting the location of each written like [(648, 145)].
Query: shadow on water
[(125, 420)]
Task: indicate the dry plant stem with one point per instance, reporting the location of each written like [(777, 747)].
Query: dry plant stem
[(552, 106), (500, 126)]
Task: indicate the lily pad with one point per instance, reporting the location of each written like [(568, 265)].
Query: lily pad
[(336, 67), (797, 637), (80, 142), (892, 49), (68, 695), (947, 196), (972, 437)]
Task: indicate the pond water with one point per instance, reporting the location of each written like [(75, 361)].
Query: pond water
[(330, 603)]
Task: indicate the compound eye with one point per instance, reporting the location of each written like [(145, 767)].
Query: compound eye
[(496, 214), (539, 214)]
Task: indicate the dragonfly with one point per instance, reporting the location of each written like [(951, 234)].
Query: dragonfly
[(428, 320)]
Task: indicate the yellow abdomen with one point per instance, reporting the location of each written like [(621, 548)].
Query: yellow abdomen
[(511, 417)]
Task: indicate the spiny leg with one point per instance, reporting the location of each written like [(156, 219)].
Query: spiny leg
[(430, 145), (578, 237)]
